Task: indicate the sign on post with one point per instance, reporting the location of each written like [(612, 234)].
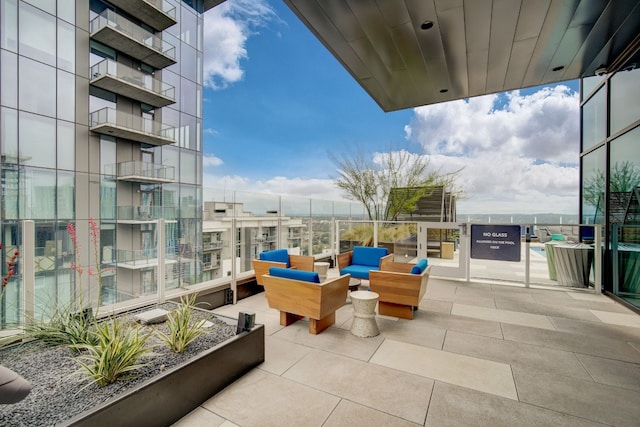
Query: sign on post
[(495, 242)]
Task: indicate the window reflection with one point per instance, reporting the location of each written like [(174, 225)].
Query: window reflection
[(593, 166), (37, 89), (41, 44), (625, 92), (594, 120)]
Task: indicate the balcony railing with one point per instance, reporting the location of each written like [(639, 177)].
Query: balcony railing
[(117, 32), (126, 81), (158, 14), (213, 245), (142, 214), (136, 171), (108, 121), (136, 259)]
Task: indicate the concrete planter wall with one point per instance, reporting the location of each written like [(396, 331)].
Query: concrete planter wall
[(168, 397)]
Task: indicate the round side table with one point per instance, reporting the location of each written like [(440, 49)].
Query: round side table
[(364, 314), (321, 268)]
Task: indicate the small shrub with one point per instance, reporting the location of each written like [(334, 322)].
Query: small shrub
[(116, 354), (66, 327), (183, 328)]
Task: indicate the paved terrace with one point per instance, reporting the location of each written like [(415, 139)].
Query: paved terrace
[(475, 354)]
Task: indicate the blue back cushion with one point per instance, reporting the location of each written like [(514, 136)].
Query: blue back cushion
[(287, 273), (365, 255), (276, 255), (419, 267)]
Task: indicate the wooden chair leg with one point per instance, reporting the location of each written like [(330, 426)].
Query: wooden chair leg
[(288, 318), (317, 326), (395, 310)]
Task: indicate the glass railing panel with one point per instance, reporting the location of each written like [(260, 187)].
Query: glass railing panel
[(128, 121), (110, 18), (164, 6), (132, 76), (146, 213)]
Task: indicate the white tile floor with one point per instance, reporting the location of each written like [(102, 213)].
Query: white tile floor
[(462, 360)]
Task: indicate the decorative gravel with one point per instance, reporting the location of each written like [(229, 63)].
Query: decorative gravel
[(57, 384)]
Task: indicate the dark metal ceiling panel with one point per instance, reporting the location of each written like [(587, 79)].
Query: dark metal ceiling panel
[(474, 47)]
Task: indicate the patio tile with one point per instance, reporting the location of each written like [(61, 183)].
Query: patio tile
[(471, 372), (436, 306), (583, 296), (593, 401), (465, 324), (263, 399), (200, 417), (577, 343), (393, 392), (458, 406), (333, 339), (612, 372), (503, 316), (514, 353), (354, 415), (597, 329), (545, 310), (280, 355), (580, 303), (623, 319), (418, 331)]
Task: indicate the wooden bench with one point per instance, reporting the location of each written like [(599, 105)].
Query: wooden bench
[(281, 259), (399, 289), (296, 299)]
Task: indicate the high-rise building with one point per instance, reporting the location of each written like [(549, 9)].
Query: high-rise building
[(101, 119)]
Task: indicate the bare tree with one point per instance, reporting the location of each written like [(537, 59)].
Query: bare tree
[(369, 180)]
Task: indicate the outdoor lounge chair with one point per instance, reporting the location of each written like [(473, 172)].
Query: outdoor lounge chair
[(280, 258)]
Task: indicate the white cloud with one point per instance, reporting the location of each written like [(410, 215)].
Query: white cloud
[(227, 28), (210, 131), (211, 160), (519, 152)]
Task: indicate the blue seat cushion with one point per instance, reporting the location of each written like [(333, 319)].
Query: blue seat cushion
[(358, 271), (288, 273), (365, 255), (276, 255), (419, 267)]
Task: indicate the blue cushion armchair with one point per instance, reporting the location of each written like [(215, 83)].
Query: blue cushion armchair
[(280, 258), (361, 260)]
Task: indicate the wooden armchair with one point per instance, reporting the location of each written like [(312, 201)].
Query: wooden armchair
[(361, 260), (280, 258), (299, 294), (400, 286)]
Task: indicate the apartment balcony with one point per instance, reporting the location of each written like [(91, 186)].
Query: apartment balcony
[(134, 84), (211, 246), (108, 121), (144, 258), (158, 14), (117, 32), (210, 266), (145, 214), (136, 171)]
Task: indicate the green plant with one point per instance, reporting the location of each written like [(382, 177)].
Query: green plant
[(183, 328), (66, 326), (117, 353)]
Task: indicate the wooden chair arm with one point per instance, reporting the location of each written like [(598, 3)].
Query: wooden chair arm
[(301, 262), (344, 259), (261, 268)]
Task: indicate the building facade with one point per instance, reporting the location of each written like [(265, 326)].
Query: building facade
[(101, 118), (610, 172)]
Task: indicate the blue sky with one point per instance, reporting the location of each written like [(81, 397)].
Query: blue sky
[(277, 102)]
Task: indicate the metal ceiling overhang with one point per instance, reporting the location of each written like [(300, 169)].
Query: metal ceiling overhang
[(473, 47)]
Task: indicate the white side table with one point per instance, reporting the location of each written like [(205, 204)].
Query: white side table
[(321, 268), (364, 314)]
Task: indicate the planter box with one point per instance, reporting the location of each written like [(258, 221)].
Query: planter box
[(166, 398)]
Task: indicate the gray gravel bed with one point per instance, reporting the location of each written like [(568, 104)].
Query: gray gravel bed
[(57, 384)]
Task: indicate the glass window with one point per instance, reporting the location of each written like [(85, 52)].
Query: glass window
[(37, 88), (66, 46), (37, 140), (188, 132), (107, 152), (624, 169), (588, 84), (66, 195), (9, 25), (171, 157), (67, 11), (9, 133), (625, 92), (593, 176), (66, 96), (170, 195), (9, 79), (174, 80), (66, 145), (188, 97), (108, 198), (40, 184), (10, 191), (594, 120), (173, 41), (46, 5), (40, 44), (188, 26), (188, 167), (188, 63)]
